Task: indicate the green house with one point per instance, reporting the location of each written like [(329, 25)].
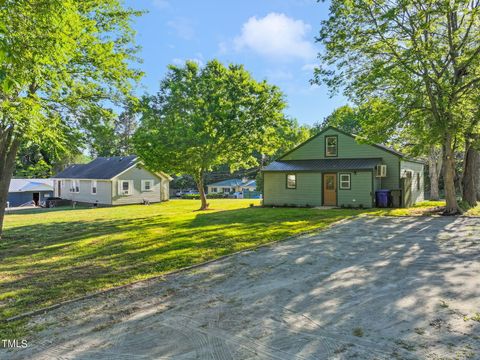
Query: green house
[(333, 169)]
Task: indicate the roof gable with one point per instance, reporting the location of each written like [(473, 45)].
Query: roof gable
[(317, 140)]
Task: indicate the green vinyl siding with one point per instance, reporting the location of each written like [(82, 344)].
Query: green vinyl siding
[(307, 192), (360, 192), (349, 148)]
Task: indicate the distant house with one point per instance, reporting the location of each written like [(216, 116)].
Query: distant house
[(332, 168), (231, 186), (114, 180), (29, 191)]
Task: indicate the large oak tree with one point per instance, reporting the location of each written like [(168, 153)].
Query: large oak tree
[(205, 117)]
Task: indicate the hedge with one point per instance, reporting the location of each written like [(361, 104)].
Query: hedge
[(209, 196)]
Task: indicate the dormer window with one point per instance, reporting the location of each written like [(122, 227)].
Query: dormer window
[(331, 143)]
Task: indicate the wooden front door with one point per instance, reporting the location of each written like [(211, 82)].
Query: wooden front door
[(329, 189)]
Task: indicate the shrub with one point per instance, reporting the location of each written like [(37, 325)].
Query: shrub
[(191, 196), (209, 196), (216, 196)]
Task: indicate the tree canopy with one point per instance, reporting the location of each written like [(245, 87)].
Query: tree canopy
[(205, 117), (59, 60)]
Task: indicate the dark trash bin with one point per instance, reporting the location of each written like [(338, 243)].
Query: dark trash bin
[(396, 198), (381, 197)]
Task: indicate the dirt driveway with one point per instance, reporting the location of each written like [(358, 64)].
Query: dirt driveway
[(371, 288)]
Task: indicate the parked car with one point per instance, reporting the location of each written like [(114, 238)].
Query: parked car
[(237, 195), (180, 193)]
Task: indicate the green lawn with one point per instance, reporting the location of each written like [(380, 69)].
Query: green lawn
[(47, 256)]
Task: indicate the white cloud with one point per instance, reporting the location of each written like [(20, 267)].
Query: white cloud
[(309, 67), (223, 48), (279, 75), (161, 4), (276, 36), (182, 27)]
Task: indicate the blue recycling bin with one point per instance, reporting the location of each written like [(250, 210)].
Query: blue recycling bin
[(381, 197)]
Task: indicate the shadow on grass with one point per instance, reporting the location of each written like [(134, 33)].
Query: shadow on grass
[(386, 279), (46, 263)]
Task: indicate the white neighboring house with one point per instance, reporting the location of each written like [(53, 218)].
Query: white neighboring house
[(117, 180), (231, 186)]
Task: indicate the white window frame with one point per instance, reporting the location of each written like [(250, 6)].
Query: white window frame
[(148, 181), (291, 181), (328, 147), (381, 171), (74, 189), (122, 192), (93, 185), (343, 182)]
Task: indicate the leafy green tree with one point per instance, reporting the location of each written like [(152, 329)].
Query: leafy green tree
[(345, 118), (423, 57), (125, 126), (60, 59), (205, 117), (109, 134), (289, 137)]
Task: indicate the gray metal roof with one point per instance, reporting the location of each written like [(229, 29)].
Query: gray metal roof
[(323, 165), (100, 168), (23, 185)]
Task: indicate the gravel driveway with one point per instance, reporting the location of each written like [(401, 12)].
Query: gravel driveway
[(370, 288)]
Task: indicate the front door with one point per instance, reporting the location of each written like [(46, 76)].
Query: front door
[(330, 189), (36, 198)]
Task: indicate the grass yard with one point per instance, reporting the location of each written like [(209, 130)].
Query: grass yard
[(47, 256)]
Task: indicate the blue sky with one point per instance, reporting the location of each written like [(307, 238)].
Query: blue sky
[(274, 39)]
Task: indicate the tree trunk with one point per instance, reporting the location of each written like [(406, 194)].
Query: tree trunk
[(449, 177), (9, 144), (434, 170), (200, 179), (478, 180), (470, 175)]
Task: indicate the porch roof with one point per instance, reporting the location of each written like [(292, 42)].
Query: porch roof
[(323, 164)]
